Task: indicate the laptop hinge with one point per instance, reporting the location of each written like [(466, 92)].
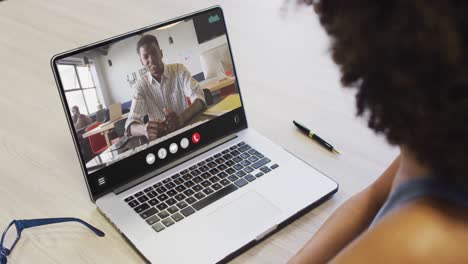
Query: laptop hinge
[(173, 164)]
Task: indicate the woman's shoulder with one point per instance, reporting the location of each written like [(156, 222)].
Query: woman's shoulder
[(442, 221), (422, 230)]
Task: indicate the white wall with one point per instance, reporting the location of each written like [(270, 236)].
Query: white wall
[(101, 83), (125, 61)]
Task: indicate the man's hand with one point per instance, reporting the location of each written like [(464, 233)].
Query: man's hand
[(155, 129), (172, 120)]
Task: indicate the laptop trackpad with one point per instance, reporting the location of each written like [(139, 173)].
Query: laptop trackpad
[(244, 215)]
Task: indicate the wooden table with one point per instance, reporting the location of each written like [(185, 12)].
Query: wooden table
[(284, 73), (224, 86), (104, 129)]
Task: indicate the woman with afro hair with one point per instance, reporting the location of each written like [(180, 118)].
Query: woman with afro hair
[(408, 60)]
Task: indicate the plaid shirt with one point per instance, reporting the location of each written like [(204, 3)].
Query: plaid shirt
[(151, 97)]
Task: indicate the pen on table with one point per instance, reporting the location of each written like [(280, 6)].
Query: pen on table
[(316, 138)]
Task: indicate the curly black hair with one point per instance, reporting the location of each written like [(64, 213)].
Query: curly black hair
[(408, 60)]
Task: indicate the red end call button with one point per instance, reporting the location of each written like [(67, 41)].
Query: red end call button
[(195, 138)]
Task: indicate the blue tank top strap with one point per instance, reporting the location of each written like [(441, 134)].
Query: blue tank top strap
[(436, 187)]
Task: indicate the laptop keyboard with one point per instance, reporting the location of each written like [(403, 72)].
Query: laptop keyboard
[(179, 196)]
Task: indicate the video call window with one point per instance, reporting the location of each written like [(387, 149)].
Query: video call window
[(132, 94)]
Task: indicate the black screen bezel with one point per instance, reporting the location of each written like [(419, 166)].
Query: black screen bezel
[(117, 174)]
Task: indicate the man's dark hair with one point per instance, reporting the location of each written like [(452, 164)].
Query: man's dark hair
[(146, 40), (409, 63)]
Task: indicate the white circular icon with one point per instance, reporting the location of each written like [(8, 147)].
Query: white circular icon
[(162, 153), (150, 158), (173, 148), (184, 143)]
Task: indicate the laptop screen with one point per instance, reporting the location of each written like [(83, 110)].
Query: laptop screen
[(144, 99)]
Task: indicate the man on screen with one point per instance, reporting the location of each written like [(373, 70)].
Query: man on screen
[(162, 94)]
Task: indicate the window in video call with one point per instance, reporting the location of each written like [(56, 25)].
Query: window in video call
[(132, 94)]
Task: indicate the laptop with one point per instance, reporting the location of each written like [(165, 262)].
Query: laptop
[(210, 189)]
